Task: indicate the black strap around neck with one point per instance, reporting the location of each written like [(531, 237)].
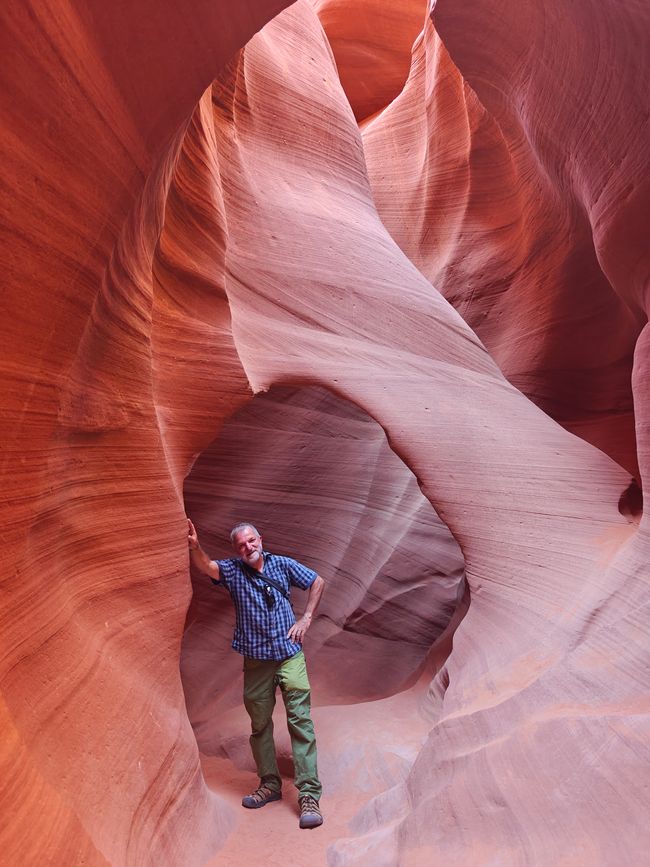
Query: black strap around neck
[(254, 575)]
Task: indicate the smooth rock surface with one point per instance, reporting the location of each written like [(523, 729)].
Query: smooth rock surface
[(465, 196), (447, 295), (371, 41)]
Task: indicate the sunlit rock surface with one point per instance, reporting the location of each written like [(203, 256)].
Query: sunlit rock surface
[(496, 231), (371, 41), (427, 310)]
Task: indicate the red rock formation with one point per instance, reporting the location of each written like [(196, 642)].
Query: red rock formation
[(159, 270), (99, 761), (371, 41), (465, 196), (527, 564)]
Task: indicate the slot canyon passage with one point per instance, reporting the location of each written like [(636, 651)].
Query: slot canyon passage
[(374, 274)]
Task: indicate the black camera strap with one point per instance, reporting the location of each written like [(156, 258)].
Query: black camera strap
[(256, 576)]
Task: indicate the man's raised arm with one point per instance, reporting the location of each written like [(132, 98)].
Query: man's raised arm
[(198, 555)]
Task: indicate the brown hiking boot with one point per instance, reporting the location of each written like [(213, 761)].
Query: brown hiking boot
[(260, 797), (310, 814)]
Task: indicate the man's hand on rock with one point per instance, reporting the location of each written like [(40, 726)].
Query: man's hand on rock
[(298, 630), (192, 535), (200, 560)]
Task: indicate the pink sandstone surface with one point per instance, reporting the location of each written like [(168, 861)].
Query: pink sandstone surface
[(414, 350)]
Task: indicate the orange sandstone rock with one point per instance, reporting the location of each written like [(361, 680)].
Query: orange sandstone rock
[(465, 197), (162, 267), (371, 41), (101, 764)]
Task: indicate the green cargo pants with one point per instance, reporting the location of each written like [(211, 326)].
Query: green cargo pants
[(261, 678)]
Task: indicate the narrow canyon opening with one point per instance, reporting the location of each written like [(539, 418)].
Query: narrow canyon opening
[(317, 477)]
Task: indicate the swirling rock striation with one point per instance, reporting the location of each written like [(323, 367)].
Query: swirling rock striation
[(467, 199), (99, 760), (168, 255), (371, 42)]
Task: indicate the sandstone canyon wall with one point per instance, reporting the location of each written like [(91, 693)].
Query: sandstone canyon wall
[(414, 350)]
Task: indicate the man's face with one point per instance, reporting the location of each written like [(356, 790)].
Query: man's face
[(248, 546)]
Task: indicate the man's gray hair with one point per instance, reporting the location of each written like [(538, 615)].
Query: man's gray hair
[(241, 527)]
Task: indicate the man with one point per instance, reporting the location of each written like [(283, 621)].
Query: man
[(270, 639)]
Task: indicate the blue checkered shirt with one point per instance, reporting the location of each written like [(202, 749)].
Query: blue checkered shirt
[(260, 631)]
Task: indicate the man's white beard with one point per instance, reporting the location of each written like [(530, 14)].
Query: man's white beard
[(252, 558)]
